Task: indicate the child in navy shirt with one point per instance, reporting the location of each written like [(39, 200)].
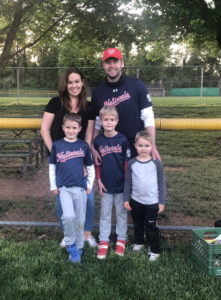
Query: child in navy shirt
[(114, 150), (68, 157)]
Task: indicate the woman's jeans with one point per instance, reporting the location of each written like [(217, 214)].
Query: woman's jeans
[(89, 218)]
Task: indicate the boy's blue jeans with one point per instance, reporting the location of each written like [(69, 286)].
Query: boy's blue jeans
[(89, 218)]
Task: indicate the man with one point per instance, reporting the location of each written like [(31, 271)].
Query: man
[(129, 95)]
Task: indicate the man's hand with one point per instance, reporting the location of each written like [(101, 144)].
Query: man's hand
[(155, 153), (127, 205)]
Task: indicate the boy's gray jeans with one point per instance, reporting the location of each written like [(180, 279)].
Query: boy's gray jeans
[(73, 202), (107, 201)]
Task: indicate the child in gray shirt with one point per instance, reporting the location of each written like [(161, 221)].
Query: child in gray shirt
[(145, 185)]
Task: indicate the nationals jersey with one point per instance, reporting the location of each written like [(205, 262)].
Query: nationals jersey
[(129, 95), (70, 158), (114, 152)]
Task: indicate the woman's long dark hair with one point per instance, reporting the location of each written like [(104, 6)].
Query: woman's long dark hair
[(63, 93)]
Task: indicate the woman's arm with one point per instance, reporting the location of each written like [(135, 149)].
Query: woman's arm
[(46, 124), (89, 132)]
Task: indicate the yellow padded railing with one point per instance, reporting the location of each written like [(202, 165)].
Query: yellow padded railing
[(161, 123)]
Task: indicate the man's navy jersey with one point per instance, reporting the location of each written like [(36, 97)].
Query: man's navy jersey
[(129, 95), (70, 158), (114, 152)]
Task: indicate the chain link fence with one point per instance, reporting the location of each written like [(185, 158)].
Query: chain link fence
[(161, 81)]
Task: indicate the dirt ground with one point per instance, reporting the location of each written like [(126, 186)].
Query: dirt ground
[(37, 187), (24, 190)]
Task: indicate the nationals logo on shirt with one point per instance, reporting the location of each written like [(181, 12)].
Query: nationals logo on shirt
[(117, 100), (107, 150), (64, 156)]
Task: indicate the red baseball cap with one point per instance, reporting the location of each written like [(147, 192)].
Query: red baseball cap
[(112, 52)]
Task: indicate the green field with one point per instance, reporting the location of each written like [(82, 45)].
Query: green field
[(164, 107), (167, 101)]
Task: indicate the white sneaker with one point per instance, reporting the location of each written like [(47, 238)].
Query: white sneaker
[(92, 242), (153, 256), (137, 247), (62, 244)]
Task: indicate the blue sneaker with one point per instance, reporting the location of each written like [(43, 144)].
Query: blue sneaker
[(74, 255)]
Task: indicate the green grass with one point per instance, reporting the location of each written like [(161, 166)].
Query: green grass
[(24, 111), (193, 187), (23, 100), (164, 101), (177, 111), (39, 270), (186, 101), (164, 107)]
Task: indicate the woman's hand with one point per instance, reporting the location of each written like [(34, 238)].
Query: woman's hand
[(46, 124), (89, 191), (56, 191), (101, 187), (96, 157)]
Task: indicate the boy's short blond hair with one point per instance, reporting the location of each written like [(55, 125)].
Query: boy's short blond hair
[(72, 117), (110, 110), (145, 135)]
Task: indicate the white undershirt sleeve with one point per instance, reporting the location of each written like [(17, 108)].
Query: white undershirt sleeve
[(147, 116), (90, 176), (52, 177)]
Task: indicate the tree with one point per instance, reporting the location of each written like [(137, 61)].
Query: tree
[(20, 20), (199, 20), (28, 22)]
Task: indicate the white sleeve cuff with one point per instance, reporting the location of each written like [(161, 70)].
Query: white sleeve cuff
[(147, 116), (52, 177)]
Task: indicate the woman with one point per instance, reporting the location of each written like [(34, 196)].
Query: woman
[(72, 98)]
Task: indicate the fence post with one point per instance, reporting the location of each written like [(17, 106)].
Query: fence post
[(138, 73), (18, 80), (201, 87)]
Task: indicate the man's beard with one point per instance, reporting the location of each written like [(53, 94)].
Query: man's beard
[(114, 77)]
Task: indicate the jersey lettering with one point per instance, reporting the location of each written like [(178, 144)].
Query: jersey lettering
[(117, 100), (64, 156), (107, 150)]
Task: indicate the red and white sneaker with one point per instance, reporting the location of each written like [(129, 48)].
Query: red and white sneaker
[(102, 250), (120, 247)]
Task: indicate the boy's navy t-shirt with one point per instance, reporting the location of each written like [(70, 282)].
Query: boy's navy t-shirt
[(69, 158), (114, 152)]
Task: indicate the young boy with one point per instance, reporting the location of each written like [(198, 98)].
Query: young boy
[(145, 182), (68, 157), (113, 148)]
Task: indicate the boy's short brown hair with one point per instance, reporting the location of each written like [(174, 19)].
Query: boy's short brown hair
[(145, 135), (110, 110), (72, 117)]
